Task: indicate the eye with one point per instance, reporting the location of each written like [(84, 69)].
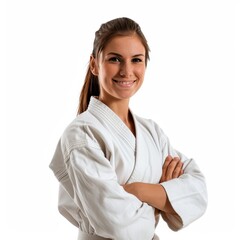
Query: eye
[(114, 59), (137, 60)]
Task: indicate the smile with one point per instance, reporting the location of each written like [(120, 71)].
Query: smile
[(124, 83)]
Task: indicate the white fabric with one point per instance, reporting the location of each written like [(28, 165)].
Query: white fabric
[(85, 236), (97, 153)]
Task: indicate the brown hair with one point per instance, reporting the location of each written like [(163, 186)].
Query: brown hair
[(116, 27)]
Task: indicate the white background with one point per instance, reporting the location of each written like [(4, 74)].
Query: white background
[(190, 89)]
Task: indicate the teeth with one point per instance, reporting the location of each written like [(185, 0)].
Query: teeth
[(125, 82)]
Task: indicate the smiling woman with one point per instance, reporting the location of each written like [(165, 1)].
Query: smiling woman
[(117, 171), (120, 69)]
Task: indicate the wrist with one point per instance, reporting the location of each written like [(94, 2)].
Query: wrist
[(153, 194), (141, 191)]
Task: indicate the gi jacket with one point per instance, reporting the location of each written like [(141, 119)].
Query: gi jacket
[(97, 153)]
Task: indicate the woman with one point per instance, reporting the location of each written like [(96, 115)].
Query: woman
[(118, 171)]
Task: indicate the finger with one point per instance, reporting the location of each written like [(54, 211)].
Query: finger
[(164, 168), (168, 159), (178, 169), (171, 167), (167, 162)]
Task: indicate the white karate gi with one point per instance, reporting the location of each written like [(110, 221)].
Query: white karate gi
[(97, 153)]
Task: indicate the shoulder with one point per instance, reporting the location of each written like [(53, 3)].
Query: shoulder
[(147, 123), (84, 130), (152, 127), (77, 127)]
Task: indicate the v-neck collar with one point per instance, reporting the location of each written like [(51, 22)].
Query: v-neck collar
[(141, 159), (105, 114)]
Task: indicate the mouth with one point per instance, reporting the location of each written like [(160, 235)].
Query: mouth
[(124, 83)]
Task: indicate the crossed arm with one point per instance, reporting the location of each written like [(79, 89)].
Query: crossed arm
[(155, 194)]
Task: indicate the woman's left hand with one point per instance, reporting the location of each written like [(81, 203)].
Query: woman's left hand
[(172, 168)]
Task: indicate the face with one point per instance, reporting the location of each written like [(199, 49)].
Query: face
[(120, 68)]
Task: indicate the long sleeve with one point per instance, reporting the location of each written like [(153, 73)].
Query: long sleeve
[(187, 194), (111, 212), (97, 153)]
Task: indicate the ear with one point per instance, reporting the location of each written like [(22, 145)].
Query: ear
[(93, 65)]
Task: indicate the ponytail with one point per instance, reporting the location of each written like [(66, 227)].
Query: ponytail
[(90, 88)]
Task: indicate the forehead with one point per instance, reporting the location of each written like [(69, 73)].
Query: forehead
[(125, 45)]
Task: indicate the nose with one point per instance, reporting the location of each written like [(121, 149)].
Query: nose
[(126, 70)]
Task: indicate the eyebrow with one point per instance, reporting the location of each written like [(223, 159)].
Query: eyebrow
[(119, 55)]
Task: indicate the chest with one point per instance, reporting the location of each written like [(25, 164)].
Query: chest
[(141, 163)]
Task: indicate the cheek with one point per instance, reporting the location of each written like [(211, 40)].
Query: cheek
[(141, 72), (108, 71)]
